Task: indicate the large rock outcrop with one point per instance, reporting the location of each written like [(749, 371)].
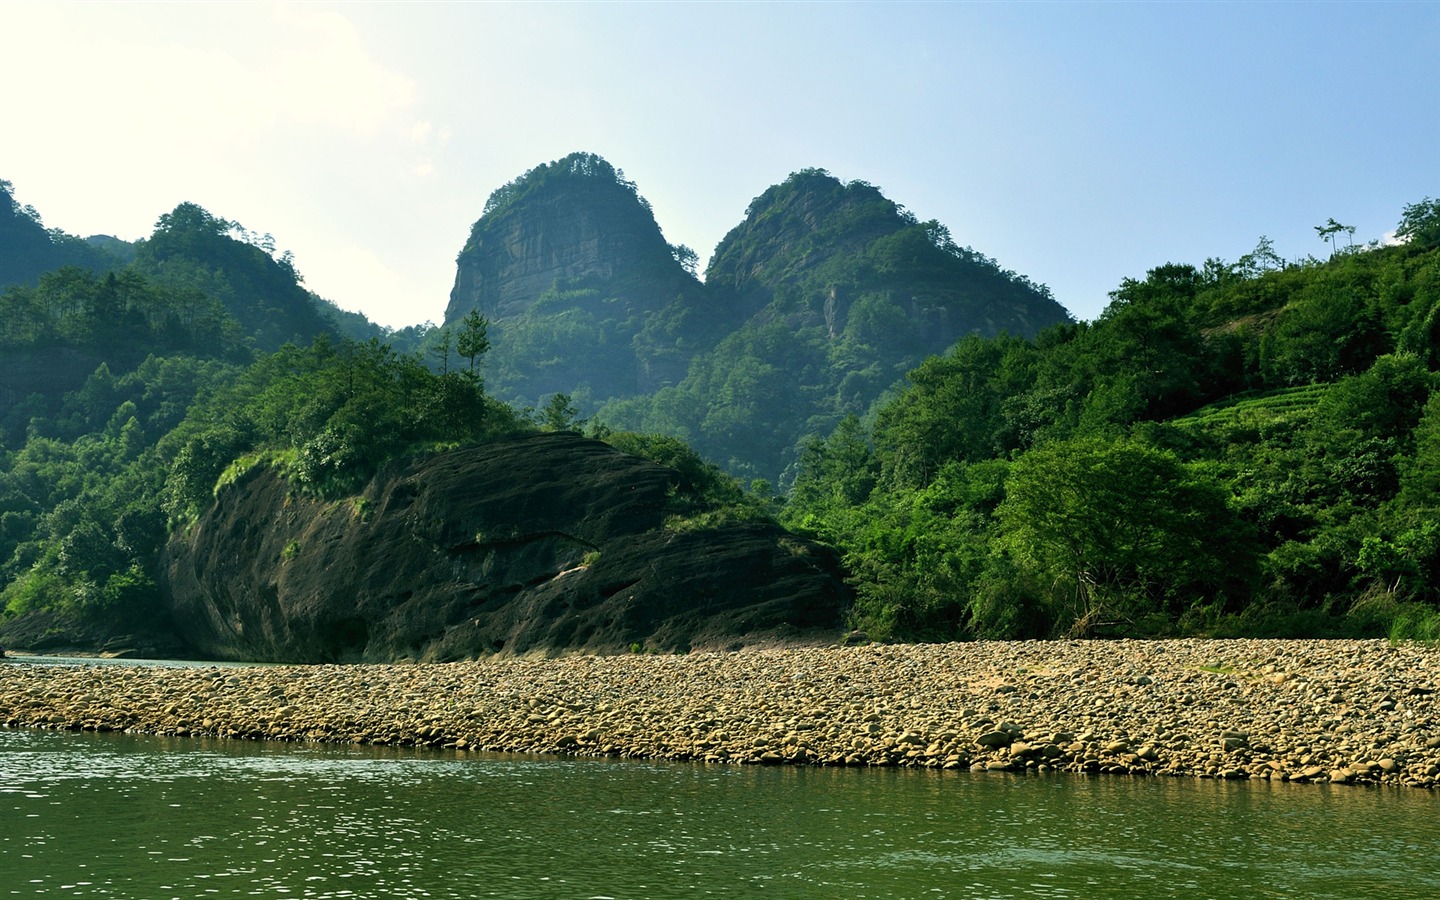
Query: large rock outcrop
[(542, 543)]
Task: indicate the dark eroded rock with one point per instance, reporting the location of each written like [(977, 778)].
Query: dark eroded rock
[(541, 543)]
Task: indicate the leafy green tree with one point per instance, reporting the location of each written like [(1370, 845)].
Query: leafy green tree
[(1147, 342), (559, 414), (1260, 260), (686, 257), (473, 341), (1330, 229), (1121, 530), (832, 475), (1384, 402), (441, 349), (1419, 225), (1420, 475)]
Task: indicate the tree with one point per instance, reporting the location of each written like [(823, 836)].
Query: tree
[(1420, 224), (441, 349), (688, 259), (559, 414), (1120, 530), (1330, 229), (833, 474), (1261, 260), (1420, 477), (474, 339)]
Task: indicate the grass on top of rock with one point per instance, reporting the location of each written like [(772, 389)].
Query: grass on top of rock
[(707, 497)]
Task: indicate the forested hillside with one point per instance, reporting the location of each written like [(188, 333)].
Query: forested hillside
[(1246, 448), (832, 293), (125, 393), (31, 250)]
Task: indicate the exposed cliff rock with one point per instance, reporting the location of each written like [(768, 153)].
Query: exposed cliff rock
[(542, 543), (569, 265), (574, 220)]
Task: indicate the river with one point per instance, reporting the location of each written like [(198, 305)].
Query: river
[(115, 815)]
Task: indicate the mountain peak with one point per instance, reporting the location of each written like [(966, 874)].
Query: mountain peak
[(562, 222)]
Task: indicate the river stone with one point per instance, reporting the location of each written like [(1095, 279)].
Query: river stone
[(997, 738), (735, 707)]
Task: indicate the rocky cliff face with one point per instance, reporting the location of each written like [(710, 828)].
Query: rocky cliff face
[(542, 543), (573, 221), (569, 266)]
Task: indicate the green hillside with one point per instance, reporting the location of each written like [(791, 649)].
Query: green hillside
[(1247, 448)]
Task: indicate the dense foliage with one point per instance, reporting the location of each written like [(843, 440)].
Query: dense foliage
[(126, 395), (1243, 448)]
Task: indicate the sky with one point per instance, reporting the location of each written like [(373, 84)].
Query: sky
[(1076, 143)]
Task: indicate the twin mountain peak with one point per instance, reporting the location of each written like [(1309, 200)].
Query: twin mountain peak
[(826, 288)]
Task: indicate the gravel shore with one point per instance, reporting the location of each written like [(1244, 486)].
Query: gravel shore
[(1352, 712)]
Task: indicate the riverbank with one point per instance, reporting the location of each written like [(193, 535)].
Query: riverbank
[(1353, 712)]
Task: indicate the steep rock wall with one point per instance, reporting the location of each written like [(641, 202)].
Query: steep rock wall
[(593, 229), (544, 543)]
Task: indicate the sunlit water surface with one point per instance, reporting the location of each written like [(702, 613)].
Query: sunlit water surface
[(91, 815)]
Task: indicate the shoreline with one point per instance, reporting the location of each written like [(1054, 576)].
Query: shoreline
[(1342, 712)]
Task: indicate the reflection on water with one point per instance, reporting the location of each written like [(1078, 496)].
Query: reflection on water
[(27, 660), (90, 815)]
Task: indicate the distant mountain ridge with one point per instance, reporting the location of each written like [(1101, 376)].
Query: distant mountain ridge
[(812, 307), (31, 250)]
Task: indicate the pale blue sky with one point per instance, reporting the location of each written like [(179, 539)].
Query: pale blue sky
[(1077, 143)]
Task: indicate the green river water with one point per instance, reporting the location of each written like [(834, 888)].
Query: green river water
[(108, 815)]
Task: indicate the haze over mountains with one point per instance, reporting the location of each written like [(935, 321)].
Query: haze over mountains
[(819, 301)]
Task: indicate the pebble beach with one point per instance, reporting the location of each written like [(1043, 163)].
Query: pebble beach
[(1337, 712)]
